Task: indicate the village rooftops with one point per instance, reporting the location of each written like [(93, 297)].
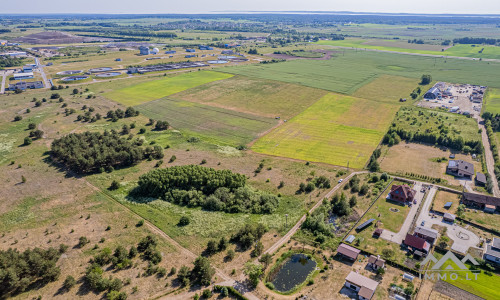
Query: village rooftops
[(479, 199), (348, 251), (461, 167), (368, 286), (416, 242), (376, 261)]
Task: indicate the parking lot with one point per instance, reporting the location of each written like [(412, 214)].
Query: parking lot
[(456, 98)]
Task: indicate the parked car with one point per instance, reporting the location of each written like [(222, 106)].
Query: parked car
[(423, 223), (340, 180)]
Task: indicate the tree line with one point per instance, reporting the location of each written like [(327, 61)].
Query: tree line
[(476, 40), (89, 152), (216, 190)]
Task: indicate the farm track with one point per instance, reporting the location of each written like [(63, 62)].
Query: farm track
[(490, 162), (296, 227)]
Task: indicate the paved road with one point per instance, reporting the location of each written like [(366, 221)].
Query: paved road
[(462, 238), (296, 227), (4, 77), (490, 163), (46, 82), (401, 235)]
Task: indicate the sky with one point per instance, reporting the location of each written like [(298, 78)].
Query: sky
[(210, 6)]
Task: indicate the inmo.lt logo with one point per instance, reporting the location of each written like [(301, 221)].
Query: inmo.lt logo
[(449, 272)]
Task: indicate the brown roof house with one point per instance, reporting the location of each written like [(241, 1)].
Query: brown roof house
[(428, 234), (375, 262), (460, 168), (487, 203), (348, 252), (364, 286), (417, 244), (402, 193)]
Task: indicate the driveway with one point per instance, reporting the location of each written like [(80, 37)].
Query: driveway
[(462, 238), (401, 235)]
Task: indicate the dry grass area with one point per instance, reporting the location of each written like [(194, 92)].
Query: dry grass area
[(442, 197), (420, 159), (438, 296)]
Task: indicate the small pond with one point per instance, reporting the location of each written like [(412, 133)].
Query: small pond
[(293, 272)]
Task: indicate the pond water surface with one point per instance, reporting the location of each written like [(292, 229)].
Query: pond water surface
[(293, 272)]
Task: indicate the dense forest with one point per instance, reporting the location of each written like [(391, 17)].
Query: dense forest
[(19, 270), (194, 186), (98, 152), (476, 40)]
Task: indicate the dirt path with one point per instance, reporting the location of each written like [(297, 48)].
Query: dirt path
[(264, 133), (490, 162), (296, 227)]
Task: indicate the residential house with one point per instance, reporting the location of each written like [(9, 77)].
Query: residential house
[(484, 202), (416, 243), (364, 286), (481, 179), (460, 168), (402, 193), (428, 234), (348, 252), (492, 253), (375, 262)]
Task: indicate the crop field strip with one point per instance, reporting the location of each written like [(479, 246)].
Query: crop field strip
[(221, 125), (337, 129), (156, 89), (348, 71)]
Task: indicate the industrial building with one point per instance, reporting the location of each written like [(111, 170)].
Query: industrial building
[(143, 50), (27, 75), (23, 85), (203, 47), (14, 54), (166, 67), (433, 93), (170, 52)]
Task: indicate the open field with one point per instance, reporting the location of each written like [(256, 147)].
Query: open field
[(421, 159), (144, 92), (257, 96), (387, 88), (217, 124), (339, 130), (492, 101), (359, 68), (399, 46)]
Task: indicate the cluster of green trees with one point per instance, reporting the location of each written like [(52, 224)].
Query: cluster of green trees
[(373, 164), (321, 182), (476, 40), (98, 152), (19, 270), (426, 79), (490, 131), (201, 273), (417, 91), (8, 62), (441, 137), (114, 115), (216, 190), (253, 51), (249, 234)]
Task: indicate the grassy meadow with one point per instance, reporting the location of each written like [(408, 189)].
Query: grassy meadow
[(348, 71), (398, 46), (388, 88), (257, 96), (492, 101), (147, 91), (339, 130), (217, 125)]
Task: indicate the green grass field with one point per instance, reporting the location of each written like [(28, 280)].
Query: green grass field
[(492, 101), (147, 91), (457, 50), (426, 120), (388, 88), (257, 96), (346, 73), (218, 125), (337, 129)]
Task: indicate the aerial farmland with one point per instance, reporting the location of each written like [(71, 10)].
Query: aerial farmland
[(249, 156)]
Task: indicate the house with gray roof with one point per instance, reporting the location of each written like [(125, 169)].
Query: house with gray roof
[(460, 168), (428, 234), (492, 253)]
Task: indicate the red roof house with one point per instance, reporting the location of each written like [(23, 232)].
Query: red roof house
[(417, 243), (402, 193)]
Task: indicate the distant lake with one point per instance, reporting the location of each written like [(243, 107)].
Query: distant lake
[(293, 272)]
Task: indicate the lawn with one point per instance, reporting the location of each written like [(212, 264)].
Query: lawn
[(348, 71), (442, 197), (337, 129), (398, 46), (492, 101), (257, 96), (155, 89), (420, 159), (486, 286), (388, 88), (218, 125)]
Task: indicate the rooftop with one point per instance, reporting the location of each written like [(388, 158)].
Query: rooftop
[(481, 199), (348, 251), (481, 177), (427, 232), (368, 286), (416, 242)]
